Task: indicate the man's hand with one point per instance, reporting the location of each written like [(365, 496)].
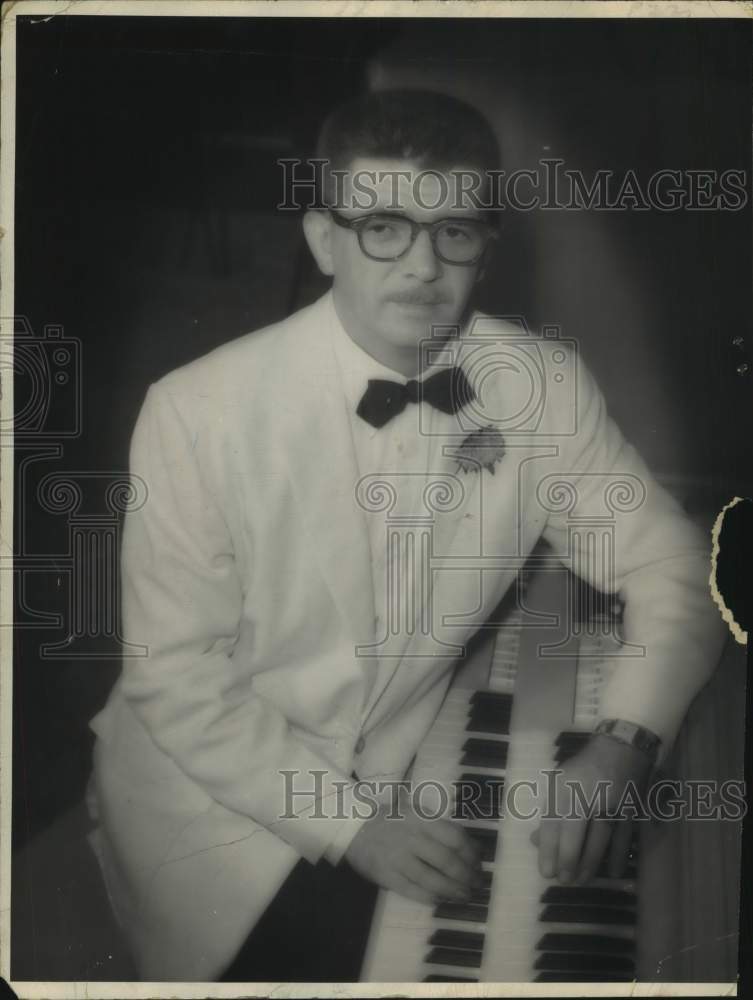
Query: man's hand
[(422, 859), (572, 848)]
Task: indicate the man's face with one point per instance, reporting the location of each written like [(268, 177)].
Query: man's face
[(388, 307)]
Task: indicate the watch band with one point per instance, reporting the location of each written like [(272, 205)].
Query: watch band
[(628, 732)]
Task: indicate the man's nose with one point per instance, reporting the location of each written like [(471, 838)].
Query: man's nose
[(421, 260)]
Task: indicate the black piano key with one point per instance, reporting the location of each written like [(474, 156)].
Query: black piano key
[(449, 979), (486, 839), (472, 912), (486, 782), (558, 913), (481, 896), (592, 944), (485, 809), (496, 699), (468, 806), (568, 743), (444, 937), (488, 723), (572, 962), (582, 977), (588, 895), (572, 737), (484, 753), (453, 956), (478, 796), (481, 711)]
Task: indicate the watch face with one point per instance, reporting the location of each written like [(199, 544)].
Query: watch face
[(628, 732)]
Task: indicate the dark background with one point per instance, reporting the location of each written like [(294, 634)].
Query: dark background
[(146, 227)]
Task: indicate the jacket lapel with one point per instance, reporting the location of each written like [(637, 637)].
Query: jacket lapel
[(324, 473)]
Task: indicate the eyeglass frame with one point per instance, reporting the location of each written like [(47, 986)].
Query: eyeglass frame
[(357, 224)]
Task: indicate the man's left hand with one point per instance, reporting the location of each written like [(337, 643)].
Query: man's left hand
[(572, 847)]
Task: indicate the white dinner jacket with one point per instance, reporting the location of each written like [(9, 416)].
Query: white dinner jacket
[(247, 582)]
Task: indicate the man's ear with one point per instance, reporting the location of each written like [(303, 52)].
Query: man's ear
[(317, 228)]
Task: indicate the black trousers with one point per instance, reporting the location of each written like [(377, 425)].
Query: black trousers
[(315, 930)]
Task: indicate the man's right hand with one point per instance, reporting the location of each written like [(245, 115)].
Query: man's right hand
[(426, 860)]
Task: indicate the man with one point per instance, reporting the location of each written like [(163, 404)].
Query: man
[(256, 576)]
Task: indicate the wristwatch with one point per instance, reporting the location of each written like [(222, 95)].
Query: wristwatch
[(635, 736)]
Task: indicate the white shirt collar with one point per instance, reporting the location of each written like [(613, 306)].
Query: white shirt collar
[(356, 366)]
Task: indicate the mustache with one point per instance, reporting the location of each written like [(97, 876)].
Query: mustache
[(420, 297)]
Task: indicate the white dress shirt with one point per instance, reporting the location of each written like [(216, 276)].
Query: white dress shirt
[(398, 452)]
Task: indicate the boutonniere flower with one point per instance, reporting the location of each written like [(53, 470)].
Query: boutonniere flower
[(483, 448)]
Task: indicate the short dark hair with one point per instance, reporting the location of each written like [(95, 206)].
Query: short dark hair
[(433, 130)]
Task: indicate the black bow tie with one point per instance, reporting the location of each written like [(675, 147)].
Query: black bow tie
[(448, 390)]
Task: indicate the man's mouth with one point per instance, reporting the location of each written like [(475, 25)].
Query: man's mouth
[(418, 299)]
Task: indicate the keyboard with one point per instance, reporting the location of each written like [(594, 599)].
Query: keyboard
[(532, 710)]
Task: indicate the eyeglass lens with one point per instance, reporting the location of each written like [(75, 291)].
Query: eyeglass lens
[(387, 238)]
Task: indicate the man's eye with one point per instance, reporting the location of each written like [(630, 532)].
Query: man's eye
[(381, 228), (458, 233)]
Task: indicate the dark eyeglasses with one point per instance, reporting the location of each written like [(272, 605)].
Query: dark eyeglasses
[(385, 236)]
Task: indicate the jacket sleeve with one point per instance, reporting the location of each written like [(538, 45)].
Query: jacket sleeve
[(182, 599), (624, 533)]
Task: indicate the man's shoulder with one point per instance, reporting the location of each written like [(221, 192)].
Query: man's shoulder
[(512, 332), (528, 380), (253, 360)]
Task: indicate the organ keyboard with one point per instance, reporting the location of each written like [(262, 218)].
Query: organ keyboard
[(499, 727)]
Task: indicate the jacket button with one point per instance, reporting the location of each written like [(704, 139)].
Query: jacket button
[(360, 744)]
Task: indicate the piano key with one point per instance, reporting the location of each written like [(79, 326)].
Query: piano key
[(485, 781), (468, 940), (448, 979), (453, 956), (483, 711), (564, 914), (581, 977), (491, 698), (495, 704), (473, 912), (481, 788), (484, 809), (572, 737), (578, 962), (592, 944), (588, 895), (485, 722), (486, 839), (484, 753)]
